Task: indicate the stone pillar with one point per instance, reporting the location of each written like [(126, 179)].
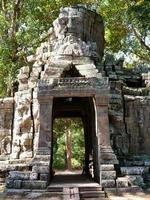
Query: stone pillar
[(107, 154), (41, 162), (45, 133)]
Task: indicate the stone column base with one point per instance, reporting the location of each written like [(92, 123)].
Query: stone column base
[(108, 156)]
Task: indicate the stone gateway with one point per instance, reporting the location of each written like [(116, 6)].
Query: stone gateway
[(67, 78)]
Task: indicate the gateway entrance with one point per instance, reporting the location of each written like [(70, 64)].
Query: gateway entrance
[(77, 108)]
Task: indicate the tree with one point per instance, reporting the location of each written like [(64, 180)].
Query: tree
[(127, 26), (68, 143)]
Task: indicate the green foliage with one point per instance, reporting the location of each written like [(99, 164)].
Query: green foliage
[(60, 128), (127, 25)]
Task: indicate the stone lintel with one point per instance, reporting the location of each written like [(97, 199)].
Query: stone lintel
[(80, 92)]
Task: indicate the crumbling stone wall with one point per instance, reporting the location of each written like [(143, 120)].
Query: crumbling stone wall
[(129, 108), (137, 118), (6, 124)]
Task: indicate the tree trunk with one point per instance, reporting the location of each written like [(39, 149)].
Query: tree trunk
[(68, 148)]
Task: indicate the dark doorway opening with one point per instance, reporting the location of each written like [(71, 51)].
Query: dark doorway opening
[(79, 111)]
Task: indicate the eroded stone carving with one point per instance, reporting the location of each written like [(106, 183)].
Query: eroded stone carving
[(5, 145)]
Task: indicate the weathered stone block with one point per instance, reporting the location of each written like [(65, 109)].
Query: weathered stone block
[(19, 175), (122, 182), (17, 184), (9, 183), (133, 170), (108, 175), (34, 184), (136, 180), (147, 163), (107, 167), (27, 154), (108, 183), (41, 169), (33, 176), (44, 177)]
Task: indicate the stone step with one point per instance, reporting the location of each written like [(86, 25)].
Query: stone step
[(133, 189), (71, 193), (90, 188), (92, 194), (55, 189)]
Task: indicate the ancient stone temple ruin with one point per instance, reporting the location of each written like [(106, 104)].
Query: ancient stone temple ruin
[(67, 78)]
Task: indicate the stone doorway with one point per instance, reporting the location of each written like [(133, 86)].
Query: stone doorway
[(83, 108), (86, 98)]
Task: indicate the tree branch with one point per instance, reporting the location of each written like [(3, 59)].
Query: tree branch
[(4, 7), (15, 26), (140, 56), (140, 39), (16, 14)]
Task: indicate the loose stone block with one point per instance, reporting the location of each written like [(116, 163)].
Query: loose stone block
[(122, 182)]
